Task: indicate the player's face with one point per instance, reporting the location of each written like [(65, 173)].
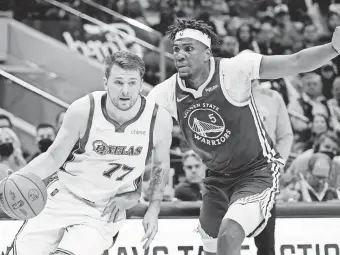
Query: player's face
[(190, 56), (123, 87), (194, 169)]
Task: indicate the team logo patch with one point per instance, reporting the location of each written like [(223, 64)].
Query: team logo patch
[(102, 148), (207, 124)]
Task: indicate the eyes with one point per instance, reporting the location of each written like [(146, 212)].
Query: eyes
[(186, 49), (121, 83)]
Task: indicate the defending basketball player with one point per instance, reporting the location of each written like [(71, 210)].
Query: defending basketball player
[(100, 154), (211, 99)]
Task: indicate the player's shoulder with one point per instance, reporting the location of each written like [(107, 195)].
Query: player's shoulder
[(168, 84), (80, 108), (242, 58), (163, 116)]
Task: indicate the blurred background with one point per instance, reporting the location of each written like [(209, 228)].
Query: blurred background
[(51, 53)]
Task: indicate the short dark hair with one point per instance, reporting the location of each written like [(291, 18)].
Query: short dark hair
[(193, 24), (5, 117), (125, 60), (45, 125)]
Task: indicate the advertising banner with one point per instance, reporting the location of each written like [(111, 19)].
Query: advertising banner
[(294, 236), (91, 40)]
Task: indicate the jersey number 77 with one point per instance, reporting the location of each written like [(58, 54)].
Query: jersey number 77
[(118, 167)]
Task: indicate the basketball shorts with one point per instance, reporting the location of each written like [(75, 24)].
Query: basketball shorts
[(246, 199), (67, 224)]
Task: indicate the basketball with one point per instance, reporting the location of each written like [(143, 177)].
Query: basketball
[(22, 196)]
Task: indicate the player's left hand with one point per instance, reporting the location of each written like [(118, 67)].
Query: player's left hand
[(336, 39), (120, 203), (150, 224)]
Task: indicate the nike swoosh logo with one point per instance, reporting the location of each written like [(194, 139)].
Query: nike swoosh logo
[(181, 99)]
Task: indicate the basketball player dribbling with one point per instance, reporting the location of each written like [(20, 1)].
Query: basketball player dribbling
[(100, 153), (211, 99)]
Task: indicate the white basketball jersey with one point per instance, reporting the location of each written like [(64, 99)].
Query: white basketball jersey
[(110, 159)]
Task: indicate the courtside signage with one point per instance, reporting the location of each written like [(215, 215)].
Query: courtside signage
[(303, 236)]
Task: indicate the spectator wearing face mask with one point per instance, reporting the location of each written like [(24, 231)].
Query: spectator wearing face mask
[(44, 138), (315, 187), (11, 159)]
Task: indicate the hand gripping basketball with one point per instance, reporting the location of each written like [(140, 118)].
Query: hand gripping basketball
[(22, 195)]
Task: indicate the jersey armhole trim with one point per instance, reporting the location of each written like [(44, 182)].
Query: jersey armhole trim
[(151, 133), (226, 94), (85, 138)]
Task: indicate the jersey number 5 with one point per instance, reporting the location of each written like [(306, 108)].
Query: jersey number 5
[(115, 167)]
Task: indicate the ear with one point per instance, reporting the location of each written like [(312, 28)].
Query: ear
[(105, 83), (207, 54)]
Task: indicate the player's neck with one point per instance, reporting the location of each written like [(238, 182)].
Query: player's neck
[(199, 78), (122, 116)]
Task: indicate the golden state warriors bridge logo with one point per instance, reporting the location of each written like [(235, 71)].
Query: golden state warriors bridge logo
[(207, 124)]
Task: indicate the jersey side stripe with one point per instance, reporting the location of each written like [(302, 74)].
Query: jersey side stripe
[(269, 151), (79, 147)]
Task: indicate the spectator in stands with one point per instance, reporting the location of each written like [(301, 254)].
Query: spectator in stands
[(311, 102), (245, 36), (5, 121), (328, 143), (229, 47), (190, 189), (59, 120), (319, 125), (328, 74), (266, 40), (44, 138), (334, 104), (11, 159), (310, 35), (315, 187), (287, 34)]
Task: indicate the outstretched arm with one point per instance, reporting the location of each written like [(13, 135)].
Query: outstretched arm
[(273, 67), (307, 60)]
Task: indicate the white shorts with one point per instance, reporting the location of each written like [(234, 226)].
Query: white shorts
[(67, 224)]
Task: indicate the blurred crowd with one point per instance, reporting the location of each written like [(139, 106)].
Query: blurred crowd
[(312, 100)]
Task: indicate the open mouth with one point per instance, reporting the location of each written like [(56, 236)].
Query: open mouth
[(124, 99)]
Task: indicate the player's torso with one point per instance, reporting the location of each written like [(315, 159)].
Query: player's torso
[(112, 159), (227, 137)]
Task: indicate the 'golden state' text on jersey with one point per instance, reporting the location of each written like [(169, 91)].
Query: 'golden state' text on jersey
[(110, 158)]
